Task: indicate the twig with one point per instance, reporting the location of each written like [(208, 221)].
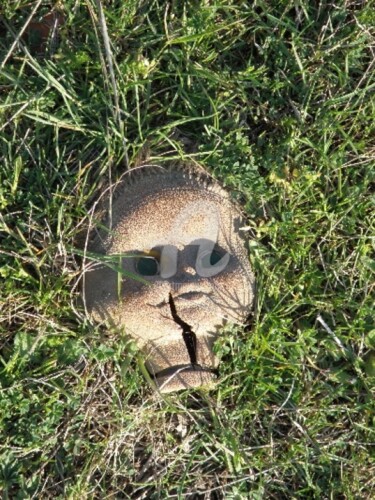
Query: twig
[(344, 350)]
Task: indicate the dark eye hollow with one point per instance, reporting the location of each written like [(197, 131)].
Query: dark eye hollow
[(211, 259), (147, 266)]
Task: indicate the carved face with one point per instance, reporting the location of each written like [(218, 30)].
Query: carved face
[(176, 270)]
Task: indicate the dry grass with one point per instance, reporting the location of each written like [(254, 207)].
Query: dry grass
[(279, 97)]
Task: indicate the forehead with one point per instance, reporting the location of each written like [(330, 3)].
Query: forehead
[(174, 217)]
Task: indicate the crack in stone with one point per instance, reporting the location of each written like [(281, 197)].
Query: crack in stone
[(188, 335)]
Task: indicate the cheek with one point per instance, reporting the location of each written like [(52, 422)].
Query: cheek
[(142, 312), (232, 294), (136, 292)]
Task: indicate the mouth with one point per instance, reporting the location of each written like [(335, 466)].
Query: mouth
[(182, 377), (186, 299), (190, 297)]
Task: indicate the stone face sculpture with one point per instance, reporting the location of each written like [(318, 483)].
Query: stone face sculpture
[(171, 267)]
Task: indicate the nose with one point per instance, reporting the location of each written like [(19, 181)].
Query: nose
[(189, 270), (176, 264), (185, 273), (186, 265)]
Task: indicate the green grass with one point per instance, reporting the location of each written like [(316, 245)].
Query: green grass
[(279, 99)]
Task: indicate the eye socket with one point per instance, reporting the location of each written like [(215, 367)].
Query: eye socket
[(147, 266), (211, 262), (207, 259)]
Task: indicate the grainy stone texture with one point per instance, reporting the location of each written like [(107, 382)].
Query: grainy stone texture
[(178, 215)]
